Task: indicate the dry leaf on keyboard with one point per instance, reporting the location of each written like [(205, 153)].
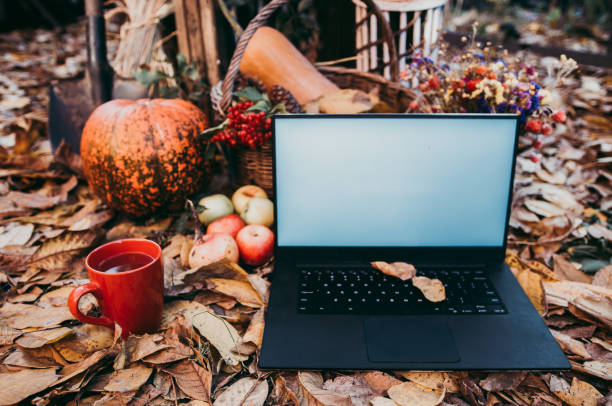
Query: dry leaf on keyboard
[(432, 289), (399, 270)]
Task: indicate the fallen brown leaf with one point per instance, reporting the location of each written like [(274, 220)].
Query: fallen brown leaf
[(399, 270), (570, 345), (179, 243), (580, 331), (58, 252), (412, 394), (566, 270), (598, 307), (65, 156), (432, 380), (32, 200), (129, 229), (261, 285), (128, 380), (254, 333), (353, 385), (221, 334), (380, 381), (578, 394), (502, 381), (244, 392), (13, 390), (87, 338), (176, 351), (223, 269), (345, 101), (543, 208), (138, 347), (560, 293), (471, 391), (382, 401), (282, 394), (601, 369), (56, 297), (22, 315), (603, 277), (193, 379), (598, 352), (37, 339), (600, 231), (531, 283), (70, 371), (145, 396), (243, 292), (8, 334), (605, 344), (89, 221), (32, 294), (15, 234), (311, 392), (432, 289), (44, 357)]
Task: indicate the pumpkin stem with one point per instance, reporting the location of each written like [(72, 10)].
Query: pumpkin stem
[(196, 222)]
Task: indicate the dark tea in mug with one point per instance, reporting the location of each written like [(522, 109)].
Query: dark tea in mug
[(124, 262)]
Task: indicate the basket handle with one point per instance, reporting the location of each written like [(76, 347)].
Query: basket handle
[(261, 18)]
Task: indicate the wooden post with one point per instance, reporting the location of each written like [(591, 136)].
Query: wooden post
[(197, 35), (209, 39)]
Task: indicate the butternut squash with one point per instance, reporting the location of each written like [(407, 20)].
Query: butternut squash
[(271, 58)]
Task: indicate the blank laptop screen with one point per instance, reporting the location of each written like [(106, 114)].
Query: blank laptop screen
[(393, 181)]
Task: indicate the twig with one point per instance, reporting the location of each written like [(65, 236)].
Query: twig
[(230, 18), (174, 390), (336, 61), (196, 222)]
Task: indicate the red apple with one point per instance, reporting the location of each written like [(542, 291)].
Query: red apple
[(256, 244), (230, 224), (212, 248)]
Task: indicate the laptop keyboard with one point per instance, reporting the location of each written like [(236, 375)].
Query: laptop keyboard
[(367, 291)]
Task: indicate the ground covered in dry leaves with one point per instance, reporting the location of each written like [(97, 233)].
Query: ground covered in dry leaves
[(206, 350)]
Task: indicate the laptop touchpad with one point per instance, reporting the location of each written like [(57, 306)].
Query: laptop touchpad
[(395, 339)]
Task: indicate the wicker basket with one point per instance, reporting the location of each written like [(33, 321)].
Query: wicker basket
[(255, 166)]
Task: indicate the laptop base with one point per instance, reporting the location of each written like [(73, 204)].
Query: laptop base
[(517, 340)]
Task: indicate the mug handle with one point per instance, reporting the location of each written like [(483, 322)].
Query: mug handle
[(73, 305)]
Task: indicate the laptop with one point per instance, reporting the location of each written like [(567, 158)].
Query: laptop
[(430, 190)]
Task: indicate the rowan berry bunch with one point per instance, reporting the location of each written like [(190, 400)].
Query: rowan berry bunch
[(245, 128), (540, 126)]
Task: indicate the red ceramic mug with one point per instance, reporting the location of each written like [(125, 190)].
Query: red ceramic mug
[(134, 298)]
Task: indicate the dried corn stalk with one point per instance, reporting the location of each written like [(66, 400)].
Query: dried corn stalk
[(139, 41)]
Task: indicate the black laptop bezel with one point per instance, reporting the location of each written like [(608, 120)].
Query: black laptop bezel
[(439, 254)]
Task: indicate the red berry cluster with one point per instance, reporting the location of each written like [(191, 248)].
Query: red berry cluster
[(250, 129), (543, 126), (537, 126)]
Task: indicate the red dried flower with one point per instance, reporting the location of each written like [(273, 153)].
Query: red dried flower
[(559, 116), (533, 126), (546, 129), (471, 85)]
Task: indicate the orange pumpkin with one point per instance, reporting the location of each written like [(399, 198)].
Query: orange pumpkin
[(141, 156)]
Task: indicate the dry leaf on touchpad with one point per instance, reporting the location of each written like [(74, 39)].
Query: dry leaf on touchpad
[(399, 270), (432, 289)]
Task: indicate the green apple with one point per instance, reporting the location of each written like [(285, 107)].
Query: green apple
[(213, 207), (259, 210), (244, 194)]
